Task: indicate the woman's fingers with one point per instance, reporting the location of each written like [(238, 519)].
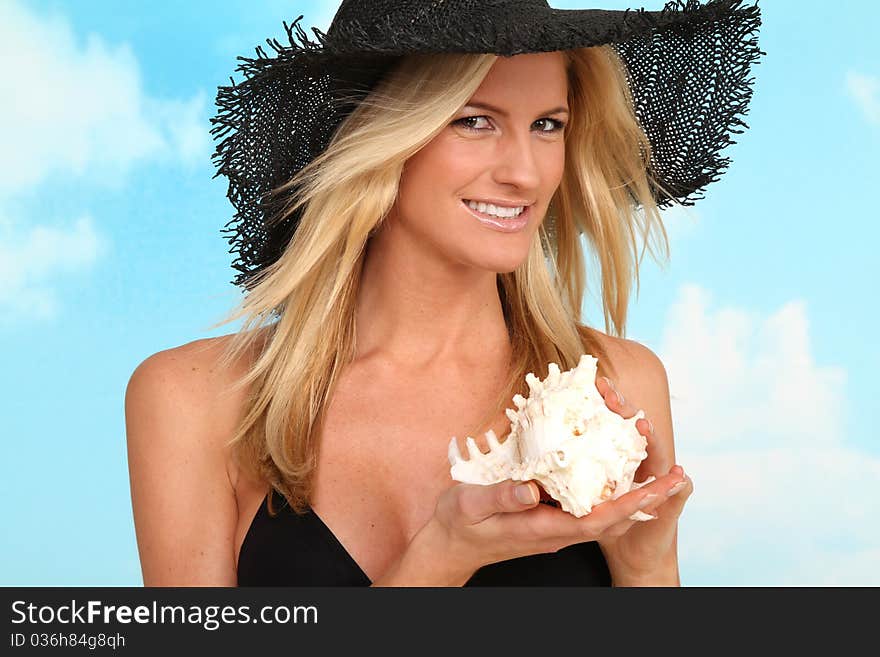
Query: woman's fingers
[(656, 461), (674, 499), (681, 492), (646, 428), (614, 399), (616, 402), (477, 502), (561, 525), (612, 512)]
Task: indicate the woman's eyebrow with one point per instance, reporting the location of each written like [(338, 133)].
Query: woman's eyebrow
[(498, 110)]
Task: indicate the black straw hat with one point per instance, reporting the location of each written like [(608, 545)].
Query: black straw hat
[(687, 67)]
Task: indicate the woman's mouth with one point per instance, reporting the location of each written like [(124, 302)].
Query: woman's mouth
[(498, 223)]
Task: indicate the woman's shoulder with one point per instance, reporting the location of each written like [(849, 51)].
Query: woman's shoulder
[(189, 391), (636, 367), (183, 380), (196, 369), (180, 409), (193, 367), (626, 353)]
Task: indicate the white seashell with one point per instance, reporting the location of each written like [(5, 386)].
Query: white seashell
[(564, 437)]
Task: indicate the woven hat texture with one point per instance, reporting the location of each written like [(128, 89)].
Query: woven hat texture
[(687, 66)]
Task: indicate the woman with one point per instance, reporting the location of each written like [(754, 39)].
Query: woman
[(401, 281)]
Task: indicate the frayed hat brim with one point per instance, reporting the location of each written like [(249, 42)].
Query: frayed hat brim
[(688, 68)]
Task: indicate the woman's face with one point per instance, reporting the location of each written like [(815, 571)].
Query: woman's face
[(504, 148)]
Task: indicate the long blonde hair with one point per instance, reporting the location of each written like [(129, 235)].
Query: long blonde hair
[(299, 312)]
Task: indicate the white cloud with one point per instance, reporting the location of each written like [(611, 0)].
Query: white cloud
[(30, 261), (73, 108), (79, 108), (680, 223), (760, 427), (865, 91), (186, 128)]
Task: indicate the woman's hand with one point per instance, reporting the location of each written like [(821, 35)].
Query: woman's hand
[(646, 548), (475, 525)]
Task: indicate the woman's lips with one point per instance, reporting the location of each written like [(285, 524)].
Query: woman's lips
[(513, 225)]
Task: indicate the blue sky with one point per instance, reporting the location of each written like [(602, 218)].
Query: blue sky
[(110, 250)]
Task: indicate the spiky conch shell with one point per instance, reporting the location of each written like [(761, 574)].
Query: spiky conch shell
[(565, 438)]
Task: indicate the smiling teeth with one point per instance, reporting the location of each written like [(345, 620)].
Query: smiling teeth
[(488, 208)]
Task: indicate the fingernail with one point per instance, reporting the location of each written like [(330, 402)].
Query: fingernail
[(525, 494), (677, 488), (620, 399), (651, 426), (648, 500), (608, 381)]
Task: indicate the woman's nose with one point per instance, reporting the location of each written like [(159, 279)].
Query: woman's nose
[(518, 163)]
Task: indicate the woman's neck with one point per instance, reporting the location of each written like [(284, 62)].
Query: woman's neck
[(423, 310)]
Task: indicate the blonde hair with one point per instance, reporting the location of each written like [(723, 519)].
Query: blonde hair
[(303, 304)]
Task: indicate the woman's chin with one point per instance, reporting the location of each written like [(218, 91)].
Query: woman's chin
[(502, 265)]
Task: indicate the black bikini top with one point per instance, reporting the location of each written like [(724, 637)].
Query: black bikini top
[(300, 550)]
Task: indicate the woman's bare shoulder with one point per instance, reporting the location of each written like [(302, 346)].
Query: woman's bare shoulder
[(180, 409), (630, 359), (198, 377), (196, 362)]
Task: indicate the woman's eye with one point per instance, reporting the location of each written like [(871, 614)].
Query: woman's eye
[(555, 125), (468, 123)]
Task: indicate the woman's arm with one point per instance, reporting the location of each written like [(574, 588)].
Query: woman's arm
[(184, 506), (647, 555)]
